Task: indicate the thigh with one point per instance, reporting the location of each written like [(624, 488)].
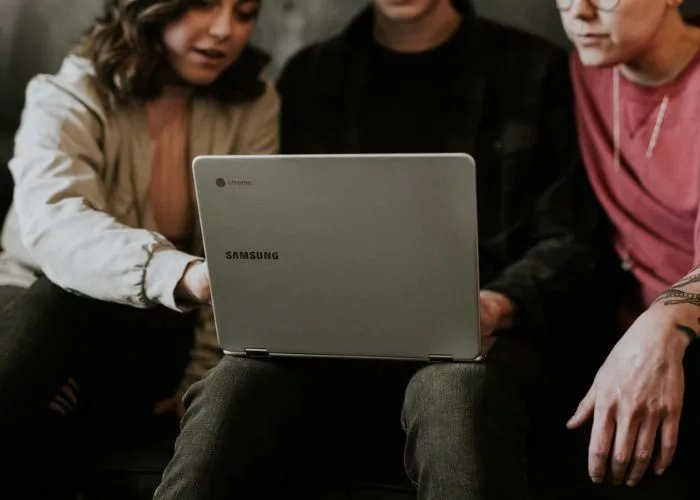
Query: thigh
[(245, 429), (8, 294), (503, 388), (48, 335), (36, 354), (467, 424)]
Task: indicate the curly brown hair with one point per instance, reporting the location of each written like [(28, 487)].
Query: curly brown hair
[(126, 49)]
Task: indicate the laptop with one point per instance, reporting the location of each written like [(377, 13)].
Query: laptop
[(342, 256)]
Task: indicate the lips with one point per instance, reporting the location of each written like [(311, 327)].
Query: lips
[(591, 38), (211, 55)]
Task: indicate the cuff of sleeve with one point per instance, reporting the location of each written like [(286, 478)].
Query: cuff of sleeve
[(165, 270)]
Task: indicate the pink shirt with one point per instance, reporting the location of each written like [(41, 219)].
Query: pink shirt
[(652, 202)]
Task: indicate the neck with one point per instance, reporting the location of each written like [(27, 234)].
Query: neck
[(672, 50), (177, 92), (420, 35)]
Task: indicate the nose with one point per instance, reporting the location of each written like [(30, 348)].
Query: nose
[(582, 9), (221, 24)]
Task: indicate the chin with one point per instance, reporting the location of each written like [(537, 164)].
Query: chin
[(403, 11), (403, 15), (201, 78), (596, 58)]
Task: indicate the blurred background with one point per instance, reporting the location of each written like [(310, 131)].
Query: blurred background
[(35, 35)]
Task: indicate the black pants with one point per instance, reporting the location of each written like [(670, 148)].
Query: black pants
[(123, 360)]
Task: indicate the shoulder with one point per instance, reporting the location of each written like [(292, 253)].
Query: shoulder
[(64, 110), (73, 89), (321, 52), (316, 61)]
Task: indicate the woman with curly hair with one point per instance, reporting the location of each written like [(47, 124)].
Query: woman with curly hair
[(102, 249)]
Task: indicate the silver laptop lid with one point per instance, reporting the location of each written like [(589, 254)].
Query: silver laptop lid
[(369, 256)]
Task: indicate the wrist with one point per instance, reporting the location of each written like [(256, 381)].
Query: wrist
[(680, 325), (678, 343), (679, 305)]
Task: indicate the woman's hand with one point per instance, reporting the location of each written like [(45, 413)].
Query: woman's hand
[(194, 284)]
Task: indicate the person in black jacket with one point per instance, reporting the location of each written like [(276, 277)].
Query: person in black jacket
[(417, 76)]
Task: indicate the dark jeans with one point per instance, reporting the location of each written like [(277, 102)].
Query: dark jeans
[(253, 428), (8, 294), (123, 359), (260, 429)]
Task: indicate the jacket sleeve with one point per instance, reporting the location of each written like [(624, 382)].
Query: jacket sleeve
[(62, 210), (565, 225), (259, 135)]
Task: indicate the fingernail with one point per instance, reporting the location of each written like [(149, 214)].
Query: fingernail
[(631, 483), (597, 480), (660, 471)]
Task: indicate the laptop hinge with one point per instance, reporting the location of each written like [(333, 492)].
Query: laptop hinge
[(439, 358), (257, 353)]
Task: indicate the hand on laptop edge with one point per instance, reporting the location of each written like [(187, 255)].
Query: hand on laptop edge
[(496, 314), (194, 285)]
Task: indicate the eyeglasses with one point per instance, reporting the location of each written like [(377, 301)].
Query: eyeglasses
[(602, 5)]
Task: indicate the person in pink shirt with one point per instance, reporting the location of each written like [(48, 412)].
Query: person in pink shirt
[(636, 79)]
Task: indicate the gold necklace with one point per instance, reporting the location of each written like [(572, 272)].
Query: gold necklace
[(627, 262)]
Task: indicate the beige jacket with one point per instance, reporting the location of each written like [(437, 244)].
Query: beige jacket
[(81, 214)]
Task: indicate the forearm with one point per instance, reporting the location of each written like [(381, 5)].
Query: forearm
[(548, 277), (121, 265)]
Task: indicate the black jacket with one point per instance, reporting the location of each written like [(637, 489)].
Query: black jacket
[(537, 217)]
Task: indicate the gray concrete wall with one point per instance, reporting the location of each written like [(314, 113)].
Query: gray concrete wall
[(36, 34)]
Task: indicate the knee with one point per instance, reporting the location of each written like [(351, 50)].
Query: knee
[(439, 392), (246, 384)]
